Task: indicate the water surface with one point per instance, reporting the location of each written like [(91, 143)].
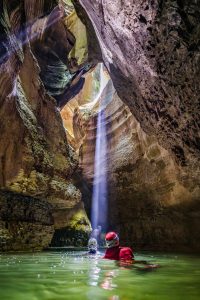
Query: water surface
[(71, 275)]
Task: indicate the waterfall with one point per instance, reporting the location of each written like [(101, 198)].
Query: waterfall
[(100, 188), (99, 196)]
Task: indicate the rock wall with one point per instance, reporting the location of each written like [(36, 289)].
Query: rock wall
[(26, 223), (35, 159), (151, 49), (148, 203)]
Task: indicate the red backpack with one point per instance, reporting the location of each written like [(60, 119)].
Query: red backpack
[(119, 253), (126, 253)]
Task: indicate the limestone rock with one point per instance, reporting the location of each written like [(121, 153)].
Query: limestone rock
[(77, 231), (35, 159), (26, 223), (151, 49), (146, 193)]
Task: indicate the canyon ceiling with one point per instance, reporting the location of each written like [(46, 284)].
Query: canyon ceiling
[(48, 54)]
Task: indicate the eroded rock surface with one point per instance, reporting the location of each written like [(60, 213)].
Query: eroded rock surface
[(151, 49), (153, 58), (26, 223), (148, 203), (35, 159)]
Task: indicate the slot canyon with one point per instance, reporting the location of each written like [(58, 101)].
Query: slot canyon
[(61, 63)]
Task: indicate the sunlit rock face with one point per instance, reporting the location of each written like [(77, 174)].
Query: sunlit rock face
[(148, 204), (78, 111), (151, 51), (35, 159), (71, 116), (152, 54), (153, 57), (61, 51)]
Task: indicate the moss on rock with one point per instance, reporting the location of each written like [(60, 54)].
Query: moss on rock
[(76, 233)]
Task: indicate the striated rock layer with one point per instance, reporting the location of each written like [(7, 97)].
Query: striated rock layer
[(148, 203), (151, 49), (26, 223), (35, 159)]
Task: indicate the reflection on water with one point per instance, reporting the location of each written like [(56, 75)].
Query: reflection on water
[(94, 272), (107, 283), (72, 275)]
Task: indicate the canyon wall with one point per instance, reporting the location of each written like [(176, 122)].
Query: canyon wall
[(151, 50), (36, 164), (148, 204)]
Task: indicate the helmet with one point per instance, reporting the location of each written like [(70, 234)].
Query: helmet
[(112, 239), (92, 245)]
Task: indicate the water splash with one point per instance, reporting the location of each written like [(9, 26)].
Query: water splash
[(99, 197)]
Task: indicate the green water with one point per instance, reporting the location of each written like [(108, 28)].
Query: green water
[(69, 275)]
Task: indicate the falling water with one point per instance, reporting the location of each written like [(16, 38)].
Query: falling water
[(99, 197)]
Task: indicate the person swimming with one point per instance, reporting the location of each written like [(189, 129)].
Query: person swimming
[(124, 255), (114, 251), (92, 246)]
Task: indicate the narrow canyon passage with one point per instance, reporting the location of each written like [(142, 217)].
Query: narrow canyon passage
[(99, 149), (71, 70)]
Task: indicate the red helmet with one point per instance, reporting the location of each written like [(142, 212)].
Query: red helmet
[(112, 239)]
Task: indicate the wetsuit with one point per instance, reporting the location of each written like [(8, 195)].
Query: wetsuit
[(119, 253)]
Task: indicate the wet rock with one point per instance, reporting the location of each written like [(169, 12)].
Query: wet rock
[(151, 49), (149, 204), (77, 231), (26, 223), (35, 159), (154, 65)]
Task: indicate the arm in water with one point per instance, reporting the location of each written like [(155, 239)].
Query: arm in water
[(142, 265)]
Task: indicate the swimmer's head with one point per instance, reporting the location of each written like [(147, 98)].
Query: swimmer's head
[(92, 245), (112, 239)]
